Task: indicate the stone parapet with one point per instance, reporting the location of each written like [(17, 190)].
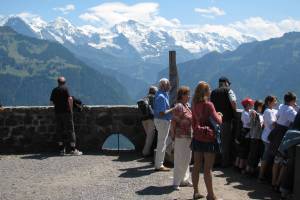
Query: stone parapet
[(32, 129)]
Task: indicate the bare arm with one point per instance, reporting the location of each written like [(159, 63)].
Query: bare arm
[(70, 101)]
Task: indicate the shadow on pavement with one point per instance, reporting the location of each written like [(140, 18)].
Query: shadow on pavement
[(137, 171), (255, 190), (40, 156), (155, 190)]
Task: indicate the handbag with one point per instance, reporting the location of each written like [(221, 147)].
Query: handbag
[(204, 133)]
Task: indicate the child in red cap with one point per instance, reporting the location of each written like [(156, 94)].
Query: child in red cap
[(243, 139)]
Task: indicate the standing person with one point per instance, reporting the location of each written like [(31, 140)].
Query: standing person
[(224, 100), (256, 145), (147, 119), (269, 117), (63, 106), (285, 117), (181, 132), (243, 138), (162, 118), (204, 144)]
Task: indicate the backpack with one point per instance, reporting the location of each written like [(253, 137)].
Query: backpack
[(145, 107), (77, 104)]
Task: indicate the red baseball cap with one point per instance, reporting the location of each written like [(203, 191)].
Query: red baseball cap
[(247, 101)]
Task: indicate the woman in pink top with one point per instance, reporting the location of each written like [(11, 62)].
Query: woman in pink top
[(181, 132), (204, 144)]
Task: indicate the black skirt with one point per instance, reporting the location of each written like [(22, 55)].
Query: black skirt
[(275, 137), (205, 147)]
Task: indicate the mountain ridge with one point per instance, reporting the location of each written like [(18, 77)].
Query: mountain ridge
[(29, 68)]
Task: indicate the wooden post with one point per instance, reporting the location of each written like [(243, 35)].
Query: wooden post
[(173, 77)]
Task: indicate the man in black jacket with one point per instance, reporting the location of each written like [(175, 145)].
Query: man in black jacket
[(224, 101), (63, 106)]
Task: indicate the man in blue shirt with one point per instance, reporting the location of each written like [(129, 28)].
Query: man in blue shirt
[(162, 118)]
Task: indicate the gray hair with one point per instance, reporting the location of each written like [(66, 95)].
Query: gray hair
[(163, 84)]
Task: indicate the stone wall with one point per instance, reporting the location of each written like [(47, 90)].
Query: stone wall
[(32, 129)]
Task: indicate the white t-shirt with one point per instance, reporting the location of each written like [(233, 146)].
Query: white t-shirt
[(270, 116), (246, 119), (286, 115)]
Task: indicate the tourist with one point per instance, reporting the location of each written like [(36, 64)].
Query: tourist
[(269, 118), (162, 118), (224, 100), (181, 132), (243, 138), (63, 106), (256, 145), (147, 119), (285, 117), (204, 144)]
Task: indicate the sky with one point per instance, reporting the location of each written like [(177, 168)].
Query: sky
[(261, 17)]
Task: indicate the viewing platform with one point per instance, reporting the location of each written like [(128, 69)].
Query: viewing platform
[(101, 176), (30, 170)]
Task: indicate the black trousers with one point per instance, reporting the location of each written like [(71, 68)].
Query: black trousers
[(65, 128)]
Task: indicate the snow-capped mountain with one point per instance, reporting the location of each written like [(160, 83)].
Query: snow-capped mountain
[(147, 43)]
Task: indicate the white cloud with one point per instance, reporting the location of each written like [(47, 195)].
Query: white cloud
[(264, 29), (210, 12), (113, 13), (66, 9)]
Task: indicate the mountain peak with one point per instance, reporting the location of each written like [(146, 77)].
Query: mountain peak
[(128, 25), (61, 23)]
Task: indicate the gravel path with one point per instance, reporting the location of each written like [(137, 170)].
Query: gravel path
[(97, 177)]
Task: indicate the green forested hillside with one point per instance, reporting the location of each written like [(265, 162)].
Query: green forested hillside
[(29, 68)]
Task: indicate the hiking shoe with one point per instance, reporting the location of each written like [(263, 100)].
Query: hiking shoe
[(162, 169), (75, 152)]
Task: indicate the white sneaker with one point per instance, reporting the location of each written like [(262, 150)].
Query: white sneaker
[(75, 152), (176, 187), (186, 184)]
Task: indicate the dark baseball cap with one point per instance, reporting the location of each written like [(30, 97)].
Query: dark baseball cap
[(224, 79)]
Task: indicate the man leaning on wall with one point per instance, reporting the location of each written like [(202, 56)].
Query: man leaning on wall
[(63, 107)]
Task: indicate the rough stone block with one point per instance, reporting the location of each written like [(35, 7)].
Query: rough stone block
[(28, 119), (4, 132), (20, 130), (104, 120), (11, 121), (42, 129)]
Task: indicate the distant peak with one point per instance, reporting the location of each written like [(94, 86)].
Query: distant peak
[(61, 21)]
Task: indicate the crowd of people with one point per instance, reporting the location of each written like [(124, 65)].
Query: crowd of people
[(212, 126)]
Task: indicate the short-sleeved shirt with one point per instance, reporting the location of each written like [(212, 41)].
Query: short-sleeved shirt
[(246, 119), (286, 115), (161, 104), (59, 97), (269, 119)]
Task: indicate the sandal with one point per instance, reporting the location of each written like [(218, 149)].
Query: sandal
[(197, 196), (214, 198)]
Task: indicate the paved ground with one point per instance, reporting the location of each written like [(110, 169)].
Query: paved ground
[(97, 177)]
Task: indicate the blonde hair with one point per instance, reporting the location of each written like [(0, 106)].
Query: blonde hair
[(202, 92)]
